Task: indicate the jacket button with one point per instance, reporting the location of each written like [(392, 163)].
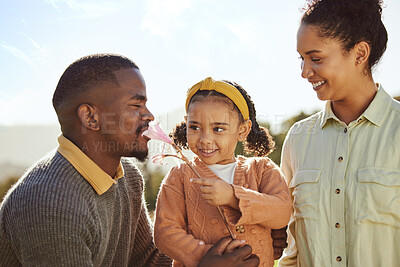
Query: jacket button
[(337, 225), (337, 191), (240, 229), (340, 159), (338, 259)]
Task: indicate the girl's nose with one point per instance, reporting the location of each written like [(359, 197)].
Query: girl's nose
[(205, 138)]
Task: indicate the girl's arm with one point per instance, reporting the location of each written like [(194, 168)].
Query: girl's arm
[(270, 206), (170, 228)]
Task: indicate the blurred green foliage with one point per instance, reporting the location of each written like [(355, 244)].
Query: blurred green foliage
[(152, 178), (6, 184), (153, 175)]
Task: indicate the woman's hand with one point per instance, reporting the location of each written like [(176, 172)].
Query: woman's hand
[(217, 192)]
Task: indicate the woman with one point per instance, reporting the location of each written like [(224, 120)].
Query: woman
[(342, 164)]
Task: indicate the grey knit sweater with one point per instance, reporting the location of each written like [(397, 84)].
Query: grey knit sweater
[(53, 217)]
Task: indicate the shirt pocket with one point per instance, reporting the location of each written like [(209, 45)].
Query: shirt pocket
[(378, 196), (305, 190)]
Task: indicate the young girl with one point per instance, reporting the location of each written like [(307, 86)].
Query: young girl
[(343, 163), (251, 192)]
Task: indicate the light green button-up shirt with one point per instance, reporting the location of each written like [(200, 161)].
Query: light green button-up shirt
[(344, 181)]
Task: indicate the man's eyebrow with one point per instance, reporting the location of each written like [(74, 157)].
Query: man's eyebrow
[(138, 97)]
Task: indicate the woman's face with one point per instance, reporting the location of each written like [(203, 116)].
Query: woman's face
[(330, 70)]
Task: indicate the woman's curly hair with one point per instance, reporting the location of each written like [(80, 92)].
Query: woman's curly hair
[(259, 142), (349, 22)]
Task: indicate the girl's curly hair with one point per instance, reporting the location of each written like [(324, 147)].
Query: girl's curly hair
[(259, 142)]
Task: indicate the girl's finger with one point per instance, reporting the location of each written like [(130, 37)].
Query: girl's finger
[(202, 181), (206, 189)]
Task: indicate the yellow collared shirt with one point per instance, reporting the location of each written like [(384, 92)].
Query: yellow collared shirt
[(344, 182), (97, 178)]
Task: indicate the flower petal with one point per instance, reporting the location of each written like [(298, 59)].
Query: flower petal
[(156, 132)]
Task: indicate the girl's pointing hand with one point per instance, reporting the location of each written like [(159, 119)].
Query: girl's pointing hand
[(217, 192)]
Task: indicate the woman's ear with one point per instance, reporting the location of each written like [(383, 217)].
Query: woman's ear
[(244, 130), (89, 117), (362, 51)]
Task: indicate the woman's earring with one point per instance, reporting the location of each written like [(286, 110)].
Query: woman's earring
[(358, 62)]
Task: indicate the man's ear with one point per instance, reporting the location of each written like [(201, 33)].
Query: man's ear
[(89, 117), (244, 130)]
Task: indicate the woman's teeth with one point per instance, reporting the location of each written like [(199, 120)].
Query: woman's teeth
[(317, 84)]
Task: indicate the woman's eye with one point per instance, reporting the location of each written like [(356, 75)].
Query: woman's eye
[(315, 59)]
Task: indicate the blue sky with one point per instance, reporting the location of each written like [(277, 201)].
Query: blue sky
[(176, 43)]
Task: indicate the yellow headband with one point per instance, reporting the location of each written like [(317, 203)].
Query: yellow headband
[(221, 87)]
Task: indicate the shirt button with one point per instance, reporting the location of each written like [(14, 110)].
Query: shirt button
[(345, 130), (340, 159), (338, 259), (337, 225), (240, 229), (337, 191)]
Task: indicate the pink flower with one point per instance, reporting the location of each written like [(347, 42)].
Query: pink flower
[(158, 159), (155, 132)]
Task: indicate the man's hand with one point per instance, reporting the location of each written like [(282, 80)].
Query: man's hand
[(217, 192), (228, 252), (279, 237)]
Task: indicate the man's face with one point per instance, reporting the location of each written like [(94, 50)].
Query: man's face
[(124, 115)]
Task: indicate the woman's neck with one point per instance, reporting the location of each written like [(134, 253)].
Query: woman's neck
[(349, 109)]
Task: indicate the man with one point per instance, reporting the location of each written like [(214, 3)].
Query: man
[(83, 204)]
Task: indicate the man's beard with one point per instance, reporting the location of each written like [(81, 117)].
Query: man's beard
[(139, 155), (138, 152)]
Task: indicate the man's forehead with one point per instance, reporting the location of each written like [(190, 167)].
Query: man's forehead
[(129, 74)]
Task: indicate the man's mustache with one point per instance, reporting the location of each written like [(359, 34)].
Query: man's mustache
[(140, 128)]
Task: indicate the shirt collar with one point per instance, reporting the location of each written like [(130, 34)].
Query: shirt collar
[(375, 113), (97, 178)]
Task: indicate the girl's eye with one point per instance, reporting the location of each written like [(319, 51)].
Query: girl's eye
[(218, 129), (315, 59), (194, 127)]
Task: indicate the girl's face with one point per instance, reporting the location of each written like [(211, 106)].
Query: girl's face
[(213, 130), (330, 70)]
